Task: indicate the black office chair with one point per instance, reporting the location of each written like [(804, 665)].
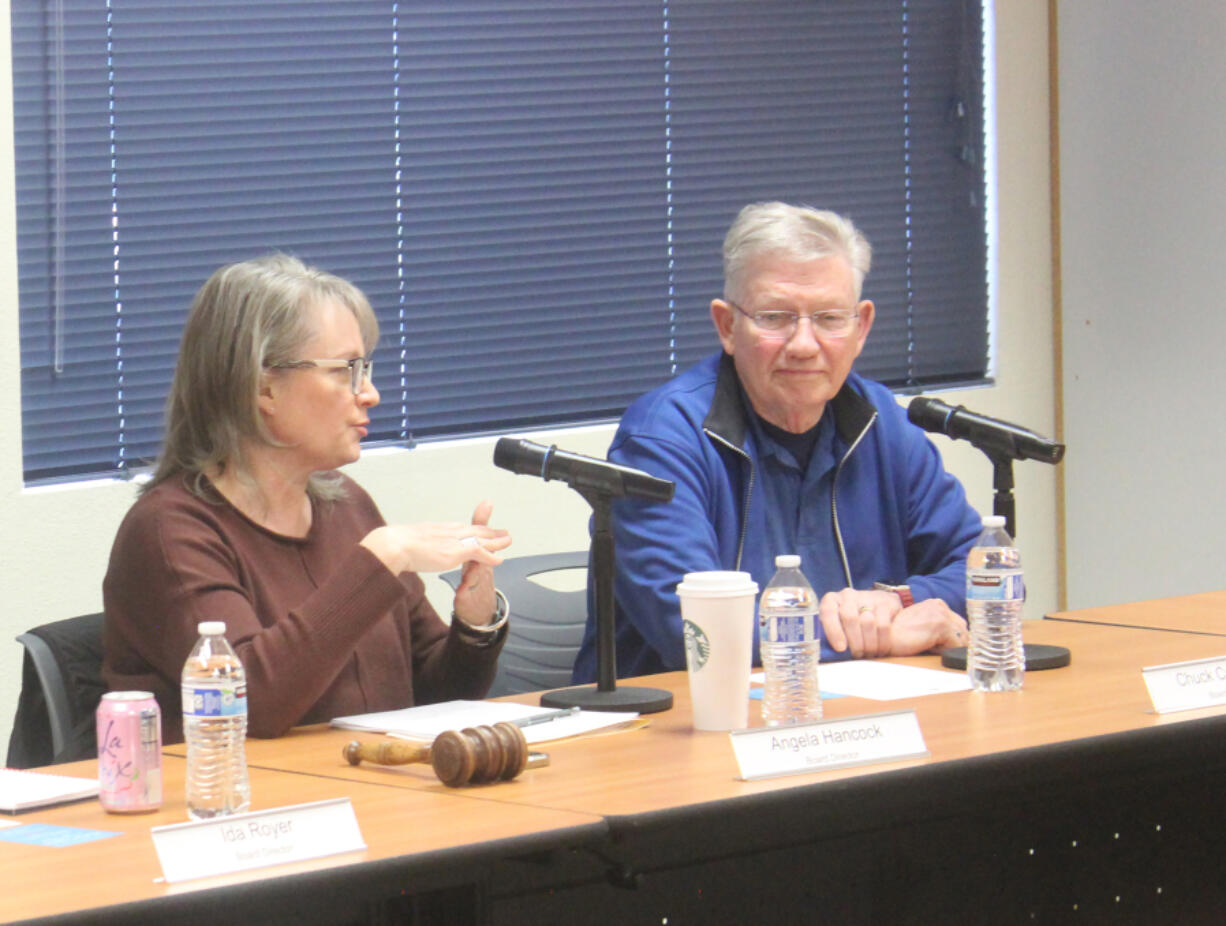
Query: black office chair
[(546, 626), (61, 685)]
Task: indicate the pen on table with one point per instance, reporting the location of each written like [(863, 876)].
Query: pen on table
[(545, 718)]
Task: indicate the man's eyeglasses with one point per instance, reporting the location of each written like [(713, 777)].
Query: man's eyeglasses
[(777, 325), (360, 369)]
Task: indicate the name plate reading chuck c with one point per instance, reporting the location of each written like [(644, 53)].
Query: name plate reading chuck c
[(1182, 686)]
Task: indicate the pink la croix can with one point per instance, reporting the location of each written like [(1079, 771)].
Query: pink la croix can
[(129, 752)]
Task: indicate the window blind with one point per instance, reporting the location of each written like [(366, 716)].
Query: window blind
[(532, 194)]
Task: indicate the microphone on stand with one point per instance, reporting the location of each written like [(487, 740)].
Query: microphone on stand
[(599, 482), (1003, 443), (991, 436), (578, 471)]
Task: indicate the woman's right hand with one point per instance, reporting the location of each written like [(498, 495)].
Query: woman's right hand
[(435, 547)]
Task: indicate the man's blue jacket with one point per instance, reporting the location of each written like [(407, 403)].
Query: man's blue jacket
[(884, 510)]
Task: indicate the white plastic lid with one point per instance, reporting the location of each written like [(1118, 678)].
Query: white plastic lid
[(787, 561), (211, 628), (717, 584), (993, 520)]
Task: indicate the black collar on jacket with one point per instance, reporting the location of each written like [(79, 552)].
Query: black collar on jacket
[(728, 418)]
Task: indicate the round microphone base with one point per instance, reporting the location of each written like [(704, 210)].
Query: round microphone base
[(641, 700), (1038, 656)]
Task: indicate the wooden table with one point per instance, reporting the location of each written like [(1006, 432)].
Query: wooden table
[(1068, 797), (416, 841), (1201, 613), (637, 771)]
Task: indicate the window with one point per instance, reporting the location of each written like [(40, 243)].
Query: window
[(532, 194)]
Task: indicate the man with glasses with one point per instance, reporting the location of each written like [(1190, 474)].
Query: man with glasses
[(776, 446)]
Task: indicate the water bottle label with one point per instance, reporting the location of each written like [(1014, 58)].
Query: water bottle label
[(214, 702), (989, 587), (791, 628)]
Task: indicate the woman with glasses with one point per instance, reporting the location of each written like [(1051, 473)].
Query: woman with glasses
[(246, 520)]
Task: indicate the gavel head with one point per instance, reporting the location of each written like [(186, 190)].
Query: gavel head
[(476, 755)]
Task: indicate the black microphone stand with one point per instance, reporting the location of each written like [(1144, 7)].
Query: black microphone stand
[(606, 696), (1037, 655), (1002, 482)]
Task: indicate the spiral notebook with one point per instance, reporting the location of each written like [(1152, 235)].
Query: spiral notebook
[(23, 790)]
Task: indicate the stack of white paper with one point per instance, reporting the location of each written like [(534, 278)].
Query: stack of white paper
[(22, 790), (429, 720)]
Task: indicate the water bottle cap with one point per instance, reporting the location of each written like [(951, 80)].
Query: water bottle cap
[(211, 628), (993, 520), (787, 561)]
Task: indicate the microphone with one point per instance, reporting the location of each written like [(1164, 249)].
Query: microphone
[(578, 471), (988, 434)]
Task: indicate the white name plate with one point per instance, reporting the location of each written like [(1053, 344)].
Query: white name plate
[(766, 752), (255, 840), (1181, 686)]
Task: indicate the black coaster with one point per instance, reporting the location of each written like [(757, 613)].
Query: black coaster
[(1038, 656), (622, 698)]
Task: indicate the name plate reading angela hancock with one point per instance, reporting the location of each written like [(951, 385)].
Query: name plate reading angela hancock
[(1181, 686), (764, 752), (255, 840)]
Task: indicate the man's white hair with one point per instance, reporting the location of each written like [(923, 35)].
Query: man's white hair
[(799, 233)]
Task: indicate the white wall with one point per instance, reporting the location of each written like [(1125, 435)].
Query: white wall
[(1142, 126), (57, 540)]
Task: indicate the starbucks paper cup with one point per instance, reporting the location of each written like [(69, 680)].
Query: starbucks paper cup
[(717, 614)]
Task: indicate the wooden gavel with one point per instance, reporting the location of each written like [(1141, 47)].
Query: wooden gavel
[(474, 755)]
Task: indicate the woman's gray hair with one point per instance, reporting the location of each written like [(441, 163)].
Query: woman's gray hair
[(246, 318), (799, 233)]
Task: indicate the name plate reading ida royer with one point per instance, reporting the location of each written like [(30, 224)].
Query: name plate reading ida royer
[(765, 752), (1181, 686), (255, 840)]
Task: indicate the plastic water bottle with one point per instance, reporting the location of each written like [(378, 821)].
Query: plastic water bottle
[(995, 591), (791, 646), (215, 726)]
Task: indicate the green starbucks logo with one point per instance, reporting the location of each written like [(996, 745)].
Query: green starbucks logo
[(697, 646)]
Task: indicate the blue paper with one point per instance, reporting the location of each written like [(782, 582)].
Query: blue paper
[(755, 694), (47, 834)]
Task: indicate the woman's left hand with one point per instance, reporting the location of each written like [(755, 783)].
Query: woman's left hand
[(474, 597)]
